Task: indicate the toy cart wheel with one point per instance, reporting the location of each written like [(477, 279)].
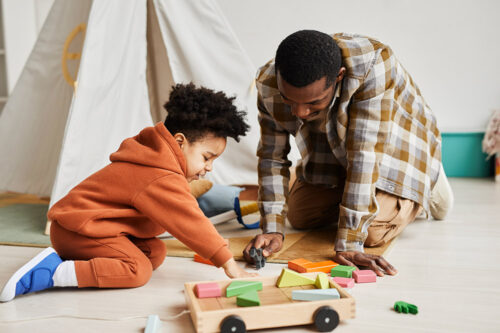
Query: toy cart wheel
[(233, 324), (326, 319)]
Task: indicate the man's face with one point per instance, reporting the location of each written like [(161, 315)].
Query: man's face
[(308, 102)]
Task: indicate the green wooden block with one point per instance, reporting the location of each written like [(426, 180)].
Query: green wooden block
[(250, 298), (241, 287), (322, 281), (342, 271), (403, 307), (289, 278)]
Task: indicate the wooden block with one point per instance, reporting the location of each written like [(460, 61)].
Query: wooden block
[(250, 298), (322, 281), (210, 289), (404, 307), (364, 276), (202, 260), (153, 324), (241, 287), (289, 278), (322, 266), (315, 294), (297, 264), (344, 282), (342, 271)]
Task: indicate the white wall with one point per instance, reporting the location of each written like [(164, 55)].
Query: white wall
[(451, 48)]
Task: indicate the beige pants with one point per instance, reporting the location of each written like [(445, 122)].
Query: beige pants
[(311, 206)]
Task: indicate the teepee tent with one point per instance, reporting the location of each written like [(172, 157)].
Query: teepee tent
[(55, 130)]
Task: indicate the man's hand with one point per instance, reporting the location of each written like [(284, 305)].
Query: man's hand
[(233, 271), (270, 243), (376, 263)]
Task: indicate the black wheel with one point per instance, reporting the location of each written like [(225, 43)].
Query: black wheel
[(326, 319), (233, 324)]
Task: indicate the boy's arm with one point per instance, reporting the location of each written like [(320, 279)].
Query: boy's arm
[(168, 202)]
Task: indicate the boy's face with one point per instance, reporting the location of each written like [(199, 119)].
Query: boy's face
[(200, 154)]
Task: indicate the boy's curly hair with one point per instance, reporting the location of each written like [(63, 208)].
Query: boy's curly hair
[(196, 112)]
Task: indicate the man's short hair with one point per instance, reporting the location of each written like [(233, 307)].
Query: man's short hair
[(307, 56)]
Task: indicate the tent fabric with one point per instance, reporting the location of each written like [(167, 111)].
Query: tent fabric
[(52, 138), (111, 102), (33, 121), (202, 48)]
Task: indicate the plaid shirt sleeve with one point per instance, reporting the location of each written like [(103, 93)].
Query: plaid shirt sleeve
[(367, 131), (273, 170)]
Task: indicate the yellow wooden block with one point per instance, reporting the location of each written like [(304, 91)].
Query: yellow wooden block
[(289, 278), (322, 281)]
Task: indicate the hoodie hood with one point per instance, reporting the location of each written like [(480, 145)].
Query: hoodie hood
[(152, 147)]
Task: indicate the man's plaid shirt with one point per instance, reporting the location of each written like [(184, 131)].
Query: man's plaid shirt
[(378, 134)]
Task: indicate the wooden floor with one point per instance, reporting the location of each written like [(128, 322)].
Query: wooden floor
[(450, 269)]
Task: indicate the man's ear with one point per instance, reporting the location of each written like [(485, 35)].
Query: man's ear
[(340, 75), (180, 138)]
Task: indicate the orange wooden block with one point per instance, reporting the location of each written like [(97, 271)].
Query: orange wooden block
[(322, 266), (202, 260), (297, 264)]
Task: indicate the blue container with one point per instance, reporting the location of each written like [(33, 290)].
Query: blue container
[(463, 156)]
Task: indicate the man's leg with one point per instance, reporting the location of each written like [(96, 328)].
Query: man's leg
[(394, 215), (113, 262), (442, 199), (311, 206)]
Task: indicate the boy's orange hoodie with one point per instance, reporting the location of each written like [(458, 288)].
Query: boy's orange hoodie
[(143, 193)]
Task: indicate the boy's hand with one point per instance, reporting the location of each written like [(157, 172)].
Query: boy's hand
[(233, 271), (376, 263), (270, 243)]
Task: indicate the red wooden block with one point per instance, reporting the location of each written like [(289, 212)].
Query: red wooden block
[(210, 289), (364, 276), (344, 282)]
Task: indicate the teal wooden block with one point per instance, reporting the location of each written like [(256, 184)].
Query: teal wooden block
[(250, 298), (153, 324), (342, 271), (241, 287), (315, 294)]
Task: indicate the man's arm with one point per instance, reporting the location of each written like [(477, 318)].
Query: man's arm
[(274, 175), (369, 126)]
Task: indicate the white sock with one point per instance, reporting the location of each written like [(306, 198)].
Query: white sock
[(65, 275)]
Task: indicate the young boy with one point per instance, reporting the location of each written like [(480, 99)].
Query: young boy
[(106, 227)]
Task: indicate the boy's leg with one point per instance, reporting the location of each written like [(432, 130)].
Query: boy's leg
[(113, 262), (154, 248), (394, 215), (441, 201), (311, 206)]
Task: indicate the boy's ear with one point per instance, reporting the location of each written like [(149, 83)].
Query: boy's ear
[(180, 138)]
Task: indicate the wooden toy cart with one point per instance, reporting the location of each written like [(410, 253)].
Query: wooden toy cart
[(277, 309)]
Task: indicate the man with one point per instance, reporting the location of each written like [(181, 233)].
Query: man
[(370, 148)]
